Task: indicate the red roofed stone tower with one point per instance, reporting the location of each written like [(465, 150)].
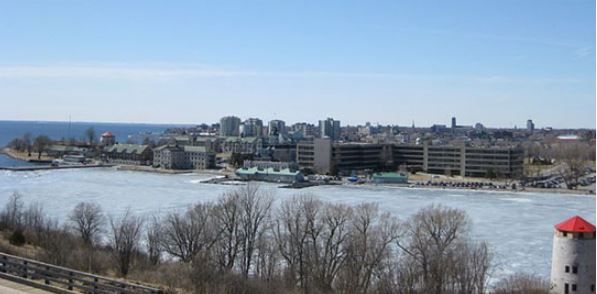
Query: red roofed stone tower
[(107, 139), (573, 257)]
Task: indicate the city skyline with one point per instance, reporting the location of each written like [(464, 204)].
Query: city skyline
[(393, 63)]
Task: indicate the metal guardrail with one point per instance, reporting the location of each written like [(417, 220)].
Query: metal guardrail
[(60, 279)]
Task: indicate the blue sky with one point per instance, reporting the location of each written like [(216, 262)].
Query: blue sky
[(496, 62)]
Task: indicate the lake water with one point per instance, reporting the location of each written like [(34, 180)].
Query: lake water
[(519, 226), (6, 161), (57, 130)]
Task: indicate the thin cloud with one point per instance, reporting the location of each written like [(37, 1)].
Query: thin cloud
[(169, 72), (584, 52)]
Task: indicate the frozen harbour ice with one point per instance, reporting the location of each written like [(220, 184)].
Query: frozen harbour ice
[(518, 226)]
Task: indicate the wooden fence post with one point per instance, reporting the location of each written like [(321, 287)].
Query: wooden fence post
[(4, 258), (24, 269), (46, 275), (70, 281)]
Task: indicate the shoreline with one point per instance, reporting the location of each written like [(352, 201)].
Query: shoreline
[(149, 169), (526, 192), (24, 156)]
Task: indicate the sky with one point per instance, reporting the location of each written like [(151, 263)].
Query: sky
[(390, 62)]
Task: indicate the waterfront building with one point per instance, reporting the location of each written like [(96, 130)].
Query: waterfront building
[(573, 257), (107, 139), (329, 128), (128, 154), (183, 157), (169, 157), (470, 161), (229, 126), (270, 175), (327, 157), (390, 178), (199, 157), (278, 165), (276, 127)]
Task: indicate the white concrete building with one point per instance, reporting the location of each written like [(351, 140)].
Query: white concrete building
[(573, 257)]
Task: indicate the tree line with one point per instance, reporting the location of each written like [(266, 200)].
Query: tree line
[(243, 242), (29, 144)]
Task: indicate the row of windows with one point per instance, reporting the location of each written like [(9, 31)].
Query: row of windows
[(574, 269), (567, 288), (580, 235)]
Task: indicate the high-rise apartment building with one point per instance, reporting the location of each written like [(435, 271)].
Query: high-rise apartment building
[(530, 125), (229, 126), (252, 127), (276, 127), (329, 128)]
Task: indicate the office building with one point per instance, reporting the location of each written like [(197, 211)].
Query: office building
[(327, 157), (324, 156), (461, 160)]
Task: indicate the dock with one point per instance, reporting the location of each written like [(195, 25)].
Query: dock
[(300, 185)]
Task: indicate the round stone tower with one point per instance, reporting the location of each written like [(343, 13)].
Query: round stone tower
[(573, 257), (107, 139)]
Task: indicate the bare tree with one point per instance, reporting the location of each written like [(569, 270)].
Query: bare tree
[(470, 263), (40, 143), (369, 247), (442, 260), (295, 221), (256, 209), (521, 283), (28, 144), (228, 213), (34, 220), (185, 236), (124, 239), (12, 216), (90, 135), (329, 251), (152, 239), (267, 264), (57, 244), (574, 158), (88, 220)]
